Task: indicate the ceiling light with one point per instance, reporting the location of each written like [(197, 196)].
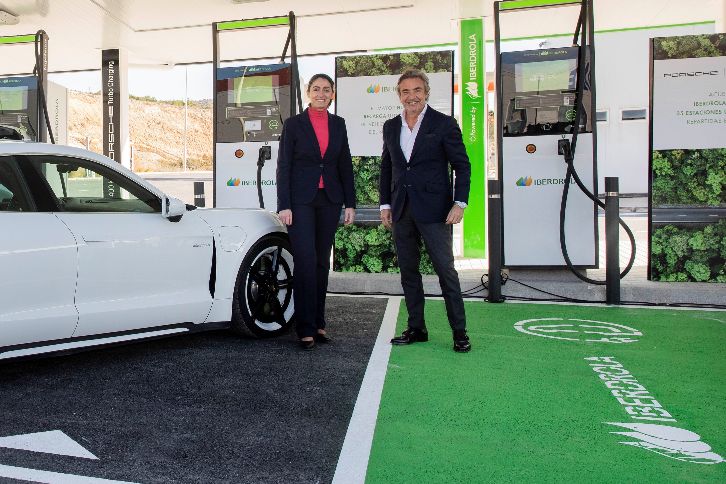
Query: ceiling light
[(8, 18), (249, 1)]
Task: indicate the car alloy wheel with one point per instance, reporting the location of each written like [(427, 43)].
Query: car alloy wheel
[(263, 304)]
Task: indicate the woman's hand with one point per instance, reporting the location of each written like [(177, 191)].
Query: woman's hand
[(349, 216), (285, 216)]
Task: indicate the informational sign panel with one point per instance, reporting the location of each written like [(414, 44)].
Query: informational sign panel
[(367, 100), (688, 159), (689, 103), (112, 97), (251, 103)]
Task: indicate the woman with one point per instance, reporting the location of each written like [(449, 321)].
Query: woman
[(314, 178)]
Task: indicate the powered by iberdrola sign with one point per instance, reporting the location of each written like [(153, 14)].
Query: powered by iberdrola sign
[(473, 110)]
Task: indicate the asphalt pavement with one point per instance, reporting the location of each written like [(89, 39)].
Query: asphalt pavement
[(204, 408)]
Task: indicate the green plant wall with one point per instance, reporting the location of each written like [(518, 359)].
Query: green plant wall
[(367, 171), (680, 254), (369, 249), (689, 177)]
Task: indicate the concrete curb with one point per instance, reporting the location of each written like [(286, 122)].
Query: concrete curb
[(635, 288)]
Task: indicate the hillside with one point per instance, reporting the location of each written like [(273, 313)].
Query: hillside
[(156, 131)]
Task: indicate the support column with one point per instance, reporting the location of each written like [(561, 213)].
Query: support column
[(115, 95)]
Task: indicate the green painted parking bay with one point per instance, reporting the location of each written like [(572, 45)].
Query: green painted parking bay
[(556, 393)]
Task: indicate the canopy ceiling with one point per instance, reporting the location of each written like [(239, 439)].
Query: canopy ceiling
[(170, 32)]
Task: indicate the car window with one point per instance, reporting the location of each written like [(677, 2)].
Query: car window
[(13, 196), (85, 186)]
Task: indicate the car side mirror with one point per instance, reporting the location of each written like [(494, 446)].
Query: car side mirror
[(172, 208)]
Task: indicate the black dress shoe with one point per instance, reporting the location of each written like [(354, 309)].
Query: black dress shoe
[(307, 345), (322, 338), (411, 335), (461, 341)]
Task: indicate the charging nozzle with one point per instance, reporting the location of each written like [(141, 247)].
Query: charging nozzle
[(265, 153), (564, 148)]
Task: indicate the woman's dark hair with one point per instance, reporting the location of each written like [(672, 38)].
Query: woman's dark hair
[(320, 76)]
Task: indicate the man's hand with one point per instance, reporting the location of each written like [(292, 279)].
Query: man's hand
[(387, 218), (285, 216), (455, 215), (349, 216)]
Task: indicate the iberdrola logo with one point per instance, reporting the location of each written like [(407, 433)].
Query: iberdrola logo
[(472, 89), (233, 182), (374, 89), (524, 181)]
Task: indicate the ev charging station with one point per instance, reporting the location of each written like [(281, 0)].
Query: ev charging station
[(251, 103), (21, 97), (545, 109)]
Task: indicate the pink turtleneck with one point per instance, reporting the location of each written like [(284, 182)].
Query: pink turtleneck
[(319, 120)]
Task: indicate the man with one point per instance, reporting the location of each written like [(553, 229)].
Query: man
[(416, 201)]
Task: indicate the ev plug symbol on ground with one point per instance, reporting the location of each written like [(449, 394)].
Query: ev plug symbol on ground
[(579, 330)]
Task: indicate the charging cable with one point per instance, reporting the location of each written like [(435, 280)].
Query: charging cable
[(38, 72)]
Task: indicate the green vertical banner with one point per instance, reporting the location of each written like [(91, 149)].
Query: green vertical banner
[(472, 93)]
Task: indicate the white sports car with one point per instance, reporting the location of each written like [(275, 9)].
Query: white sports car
[(91, 254)]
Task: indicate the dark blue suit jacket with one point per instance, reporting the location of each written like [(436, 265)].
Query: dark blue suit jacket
[(425, 179), (299, 164)]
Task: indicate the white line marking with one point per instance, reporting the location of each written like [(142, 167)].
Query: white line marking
[(51, 442), (353, 461), (35, 475)]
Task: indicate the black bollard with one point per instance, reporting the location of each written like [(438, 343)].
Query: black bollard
[(612, 240), (199, 199), (495, 242)]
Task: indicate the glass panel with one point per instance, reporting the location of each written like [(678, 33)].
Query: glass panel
[(86, 186), (12, 196), (633, 114)]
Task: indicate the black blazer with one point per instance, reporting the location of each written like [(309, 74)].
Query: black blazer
[(425, 179), (299, 164)]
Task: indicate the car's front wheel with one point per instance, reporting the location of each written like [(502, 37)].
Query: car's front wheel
[(263, 304)]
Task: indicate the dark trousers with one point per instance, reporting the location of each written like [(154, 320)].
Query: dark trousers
[(438, 241), (312, 234)]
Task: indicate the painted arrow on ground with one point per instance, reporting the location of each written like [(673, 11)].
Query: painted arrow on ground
[(51, 442)]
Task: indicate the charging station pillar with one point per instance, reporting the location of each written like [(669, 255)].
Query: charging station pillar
[(21, 97), (251, 103), (538, 102), (115, 96)]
